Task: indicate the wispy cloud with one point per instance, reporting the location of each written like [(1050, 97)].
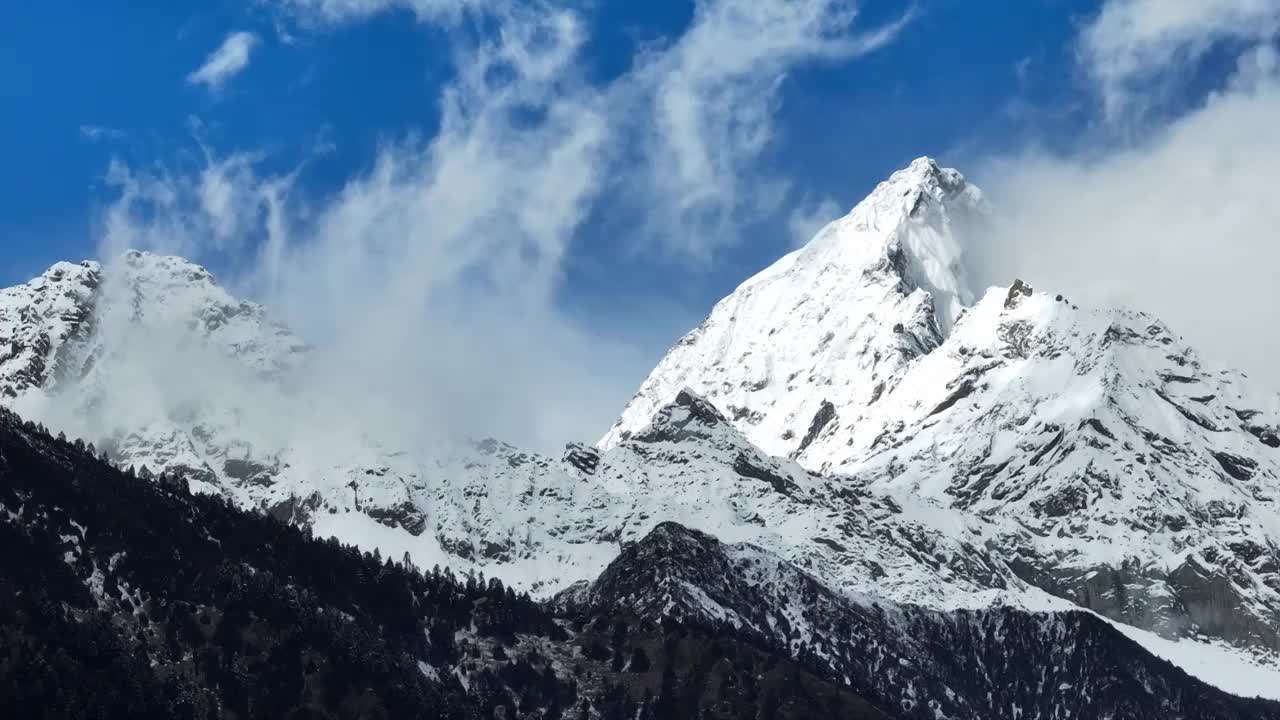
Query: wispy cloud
[(711, 100), (101, 133), (810, 216), (229, 60), (331, 12)]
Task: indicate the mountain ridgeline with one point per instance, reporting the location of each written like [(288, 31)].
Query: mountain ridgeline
[(861, 487)]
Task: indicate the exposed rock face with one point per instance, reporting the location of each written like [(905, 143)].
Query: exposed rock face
[(586, 459), (405, 515), (1017, 291), (826, 413)]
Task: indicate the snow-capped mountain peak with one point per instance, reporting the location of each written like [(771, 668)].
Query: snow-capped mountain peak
[(1096, 454), (147, 356), (832, 323), (165, 293)]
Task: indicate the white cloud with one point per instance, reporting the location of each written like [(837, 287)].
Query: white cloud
[(444, 256), (697, 114), (330, 12), (1136, 50), (1179, 222), (229, 60)]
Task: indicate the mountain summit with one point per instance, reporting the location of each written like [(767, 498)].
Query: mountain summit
[(831, 325)]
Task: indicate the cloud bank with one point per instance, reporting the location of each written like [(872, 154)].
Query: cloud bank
[(1179, 219)]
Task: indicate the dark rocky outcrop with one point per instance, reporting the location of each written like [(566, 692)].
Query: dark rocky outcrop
[(582, 457), (826, 413), (964, 390), (406, 515), (1017, 291), (688, 416)]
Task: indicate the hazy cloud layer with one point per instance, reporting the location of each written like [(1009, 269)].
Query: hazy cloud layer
[(324, 12)]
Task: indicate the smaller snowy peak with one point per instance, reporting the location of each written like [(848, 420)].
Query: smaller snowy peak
[(38, 318), (150, 358), (689, 415), (169, 293), (85, 272)]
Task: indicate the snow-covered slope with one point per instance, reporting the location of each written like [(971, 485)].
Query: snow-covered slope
[(1131, 477), (544, 523), (37, 319)]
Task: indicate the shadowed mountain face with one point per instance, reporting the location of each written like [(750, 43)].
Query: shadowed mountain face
[(130, 598)]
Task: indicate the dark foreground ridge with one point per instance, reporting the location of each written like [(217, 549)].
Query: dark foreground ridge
[(122, 597)]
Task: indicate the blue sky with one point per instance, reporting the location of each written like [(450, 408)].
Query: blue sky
[(581, 180)]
